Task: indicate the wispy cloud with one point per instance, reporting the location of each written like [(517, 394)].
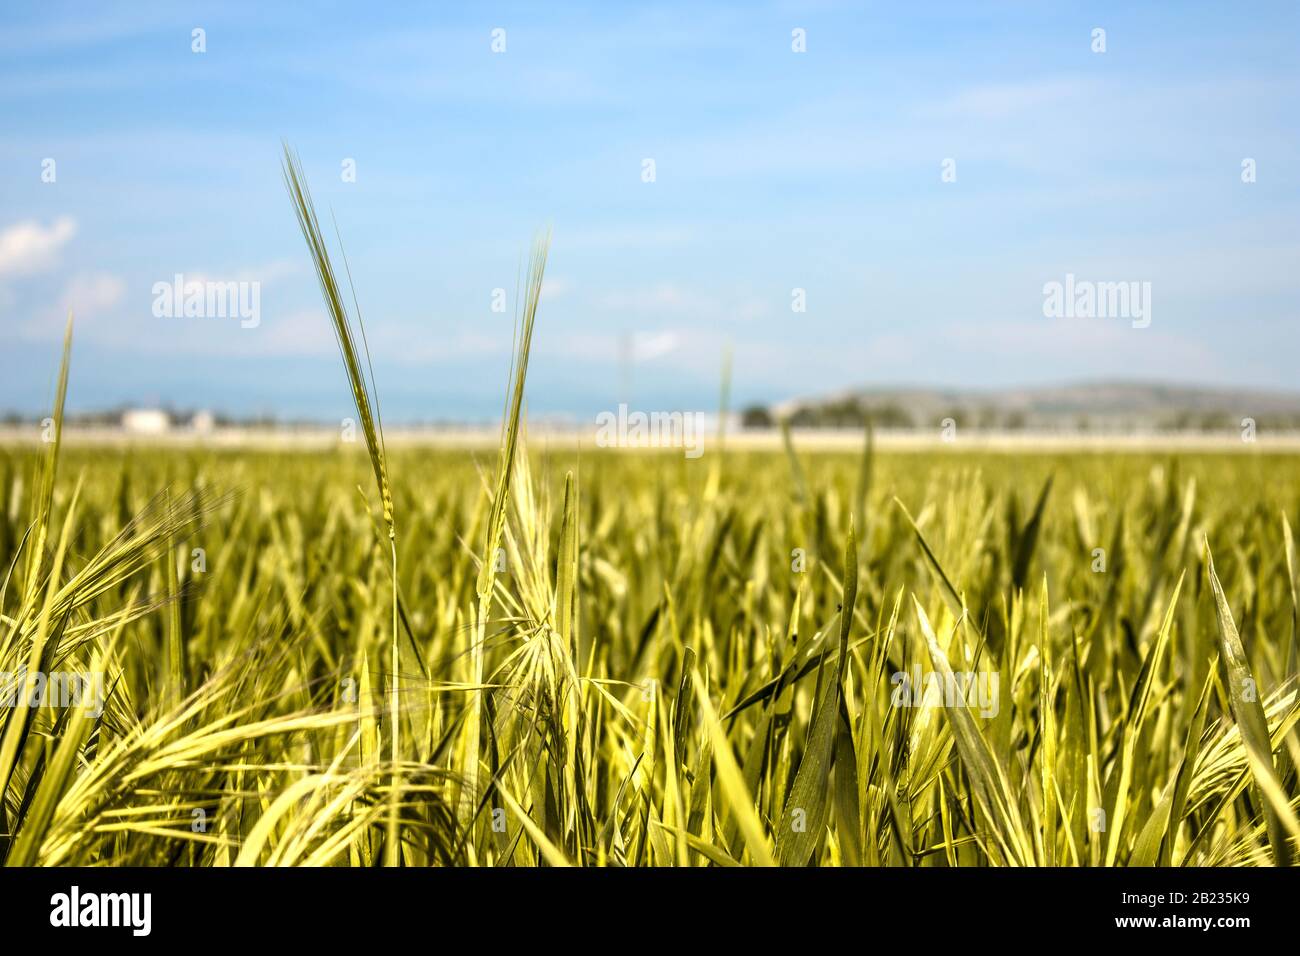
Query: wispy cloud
[(674, 300), (1004, 100), (775, 170), (29, 247), (93, 292)]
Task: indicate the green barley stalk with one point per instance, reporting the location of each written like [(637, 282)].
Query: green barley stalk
[(511, 422), (50, 465), (367, 404), (17, 723)]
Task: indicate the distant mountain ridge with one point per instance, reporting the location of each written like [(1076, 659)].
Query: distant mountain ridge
[(1103, 405)]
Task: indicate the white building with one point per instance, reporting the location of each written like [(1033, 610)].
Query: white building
[(203, 422), (146, 421)]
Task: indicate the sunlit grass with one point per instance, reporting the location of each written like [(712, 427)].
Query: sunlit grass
[(654, 675), (598, 657)]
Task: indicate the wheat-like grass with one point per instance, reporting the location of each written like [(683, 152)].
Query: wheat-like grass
[(626, 659)]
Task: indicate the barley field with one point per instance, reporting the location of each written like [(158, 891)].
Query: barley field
[(660, 661), (543, 656)]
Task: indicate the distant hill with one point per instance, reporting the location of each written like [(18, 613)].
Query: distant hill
[(1085, 406)]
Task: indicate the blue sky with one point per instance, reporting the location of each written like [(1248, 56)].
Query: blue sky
[(775, 170)]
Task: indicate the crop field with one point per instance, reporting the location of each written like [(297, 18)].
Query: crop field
[(531, 656), (649, 660)]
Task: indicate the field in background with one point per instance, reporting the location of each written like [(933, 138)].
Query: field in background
[(668, 674), (481, 437)]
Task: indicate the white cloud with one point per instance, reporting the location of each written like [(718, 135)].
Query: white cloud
[(664, 296), (91, 297), (609, 347), (555, 287), (639, 236), (1001, 100), (88, 296), (303, 333), (651, 346), (682, 302), (265, 274), (28, 247), (92, 292)]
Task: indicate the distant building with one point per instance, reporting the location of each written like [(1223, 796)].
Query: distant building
[(146, 421), (203, 422)]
